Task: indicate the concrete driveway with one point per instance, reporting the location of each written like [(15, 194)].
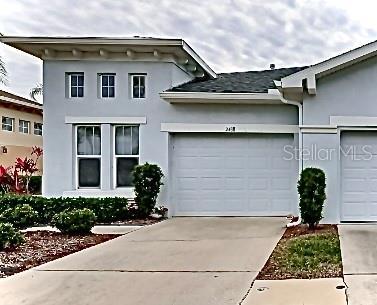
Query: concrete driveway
[(358, 244), (180, 261)]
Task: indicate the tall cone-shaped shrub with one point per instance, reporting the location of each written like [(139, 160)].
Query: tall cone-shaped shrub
[(312, 190)]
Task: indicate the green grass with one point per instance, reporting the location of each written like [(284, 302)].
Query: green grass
[(306, 256)]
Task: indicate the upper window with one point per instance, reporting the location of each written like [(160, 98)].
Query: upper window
[(107, 85), (88, 154), (38, 128), (126, 153), (23, 126), (76, 85), (138, 85), (7, 123)]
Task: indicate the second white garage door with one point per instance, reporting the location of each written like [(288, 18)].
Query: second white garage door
[(233, 175), (359, 176)]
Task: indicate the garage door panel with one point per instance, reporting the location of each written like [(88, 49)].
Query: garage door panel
[(359, 176), (233, 174)]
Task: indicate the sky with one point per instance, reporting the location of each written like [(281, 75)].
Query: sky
[(230, 35)]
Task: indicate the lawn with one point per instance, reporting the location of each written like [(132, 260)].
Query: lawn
[(302, 253)]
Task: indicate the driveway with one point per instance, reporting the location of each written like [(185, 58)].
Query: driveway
[(359, 254), (179, 261)]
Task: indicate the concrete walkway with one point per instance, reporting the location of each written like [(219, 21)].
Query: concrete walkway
[(179, 261), (359, 254)]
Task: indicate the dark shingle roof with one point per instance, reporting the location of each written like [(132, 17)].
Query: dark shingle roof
[(238, 82)]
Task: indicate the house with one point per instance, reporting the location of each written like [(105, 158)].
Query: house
[(21, 128), (230, 144)]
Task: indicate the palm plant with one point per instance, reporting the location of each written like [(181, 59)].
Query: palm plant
[(37, 90)]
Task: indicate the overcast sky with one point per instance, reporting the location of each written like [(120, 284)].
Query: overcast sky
[(230, 35)]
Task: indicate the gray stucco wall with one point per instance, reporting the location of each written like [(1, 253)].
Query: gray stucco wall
[(349, 92), (58, 137)]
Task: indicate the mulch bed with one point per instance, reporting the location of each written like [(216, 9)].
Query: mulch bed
[(279, 267), (43, 246)]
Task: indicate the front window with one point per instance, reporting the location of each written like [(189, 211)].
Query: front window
[(38, 129), (107, 85), (76, 85), (7, 123), (23, 126), (126, 153), (138, 86), (89, 156)]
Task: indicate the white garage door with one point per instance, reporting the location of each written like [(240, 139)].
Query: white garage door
[(359, 176), (232, 174)]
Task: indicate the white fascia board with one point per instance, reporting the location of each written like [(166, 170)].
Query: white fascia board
[(91, 40), (228, 128), (105, 120), (21, 103), (212, 97), (333, 64), (198, 59)]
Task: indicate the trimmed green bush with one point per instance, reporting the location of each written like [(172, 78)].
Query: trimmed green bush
[(76, 221), (312, 187), (147, 181), (106, 209), (9, 236), (21, 217)]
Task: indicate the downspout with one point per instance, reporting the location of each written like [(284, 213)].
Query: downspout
[(300, 143), (300, 123)]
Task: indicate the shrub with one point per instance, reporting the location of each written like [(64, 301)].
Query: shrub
[(76, 221), (9, 236), (147, 182), (311, 187), (106, 209), (21, 217), (35, 185)]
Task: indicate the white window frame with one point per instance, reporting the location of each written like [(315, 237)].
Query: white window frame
[(22, 128), (77, 86), (38, 131), (6, 124), (145, 86), (115, 156), (108, 86), (77, 157)]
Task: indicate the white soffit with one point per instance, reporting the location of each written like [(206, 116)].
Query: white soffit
[(120, 49), (220, 98)]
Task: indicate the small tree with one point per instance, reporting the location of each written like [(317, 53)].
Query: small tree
[(147, 180), (311, 187), (16, 179)]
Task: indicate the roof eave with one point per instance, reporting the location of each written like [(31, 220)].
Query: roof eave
[(309, 76), (219, 98), (196, 65)]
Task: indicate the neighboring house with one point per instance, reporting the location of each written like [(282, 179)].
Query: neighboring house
[(21, 128), (229, 144)]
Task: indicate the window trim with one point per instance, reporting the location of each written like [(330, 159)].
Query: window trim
[(115, 156), (70, 74), (41, 129), (21, 129), (2, 124), (77, 156), (132, 86), (108, 86)]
